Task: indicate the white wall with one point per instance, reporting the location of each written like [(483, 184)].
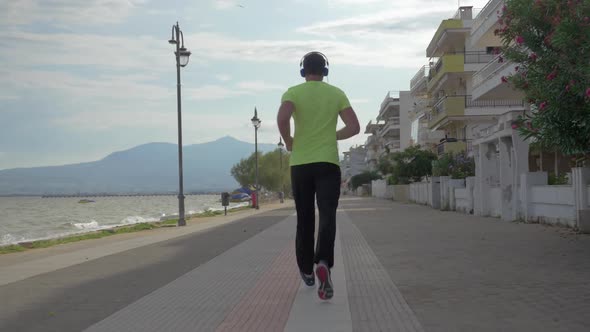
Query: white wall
[(462, 203), (495, 203), (419, 193), (552, 205), (406, 104), (378, 188)]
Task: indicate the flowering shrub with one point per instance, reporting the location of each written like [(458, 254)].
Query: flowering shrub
[(550, 42), (457, 166)]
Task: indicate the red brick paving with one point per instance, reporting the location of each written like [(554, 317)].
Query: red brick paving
[(267, 305)]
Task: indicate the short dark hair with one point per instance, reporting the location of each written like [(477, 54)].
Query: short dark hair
[(314, 64)]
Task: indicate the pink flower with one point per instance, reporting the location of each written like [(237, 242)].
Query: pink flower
[(552, 75), (533, 56), (567, 88), (588, 92), (542, 106), (515, 126), (519, 40), (504, 79), (516, 68)]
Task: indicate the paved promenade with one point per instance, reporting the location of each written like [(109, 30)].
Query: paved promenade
[(398, 268)]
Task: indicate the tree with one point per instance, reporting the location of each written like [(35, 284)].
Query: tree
[(244, 172), (270, 175), (549, 42), (363, 178), (457, 166), (410, 165), (269, 171)]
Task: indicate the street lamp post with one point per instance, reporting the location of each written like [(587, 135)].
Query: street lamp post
[(281, 145), (256, 123), (182, 57)]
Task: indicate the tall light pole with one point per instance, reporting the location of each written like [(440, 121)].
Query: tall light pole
[(256, 123), (182, 57), (281, 145)]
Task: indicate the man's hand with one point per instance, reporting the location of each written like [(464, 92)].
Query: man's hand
[(289, 143), (284, 122)]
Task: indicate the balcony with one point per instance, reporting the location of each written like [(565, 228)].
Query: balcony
[(453, 147), (390, 128), (372, 141), (482, 32), (461, 106), (418, 82), (487, 82), (449, 32), (393, 144), (373, 128), (389, 106), (446, 107), (450, 63)]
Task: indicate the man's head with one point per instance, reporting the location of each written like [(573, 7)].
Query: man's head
[(314, 63)]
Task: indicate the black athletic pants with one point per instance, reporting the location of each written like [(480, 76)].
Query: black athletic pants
[(310, 180)]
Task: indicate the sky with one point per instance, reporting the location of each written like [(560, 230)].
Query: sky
[(80, 79)]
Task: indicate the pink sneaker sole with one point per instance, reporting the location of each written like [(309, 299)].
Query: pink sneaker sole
[(325, 289)]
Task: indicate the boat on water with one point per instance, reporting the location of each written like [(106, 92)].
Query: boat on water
[(84, 201)]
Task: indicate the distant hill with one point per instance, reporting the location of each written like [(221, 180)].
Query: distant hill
[(148, 168)]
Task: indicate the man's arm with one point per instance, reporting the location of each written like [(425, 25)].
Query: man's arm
[(351, 124), (284, 122)]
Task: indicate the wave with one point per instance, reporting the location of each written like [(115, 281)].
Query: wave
[(88, 225)]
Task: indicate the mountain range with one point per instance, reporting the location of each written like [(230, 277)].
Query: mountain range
[(148, 168)]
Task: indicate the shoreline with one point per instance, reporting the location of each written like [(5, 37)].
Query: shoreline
[(164, 222), (22, 265)]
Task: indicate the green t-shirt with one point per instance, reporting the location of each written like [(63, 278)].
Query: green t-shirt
[(317, 105)]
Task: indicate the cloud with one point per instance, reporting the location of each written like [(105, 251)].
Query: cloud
[(66, 12), (214, 46), (359, 101), (225, 4), (223, 77), (8, 97), (218, 92), (69, 49), (106, 87)]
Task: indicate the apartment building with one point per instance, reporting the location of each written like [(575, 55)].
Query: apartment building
[(418, 116), (391, 131), (454, 60), (353, 162)]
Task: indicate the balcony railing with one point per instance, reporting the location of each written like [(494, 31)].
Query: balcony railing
[(393, 144), (448, 63), (391, 124), (488, 11), (478, 57), (489, 70), (467, 101), (391, 96), (493, 102), (451, 147), (421, 74)]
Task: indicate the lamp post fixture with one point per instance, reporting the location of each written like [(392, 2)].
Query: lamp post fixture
[(281, 145), (182, 57), (256, 123)]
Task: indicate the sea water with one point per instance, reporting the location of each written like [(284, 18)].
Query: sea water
[(34, 218)]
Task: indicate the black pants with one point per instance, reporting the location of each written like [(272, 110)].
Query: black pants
[(323, 180)]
